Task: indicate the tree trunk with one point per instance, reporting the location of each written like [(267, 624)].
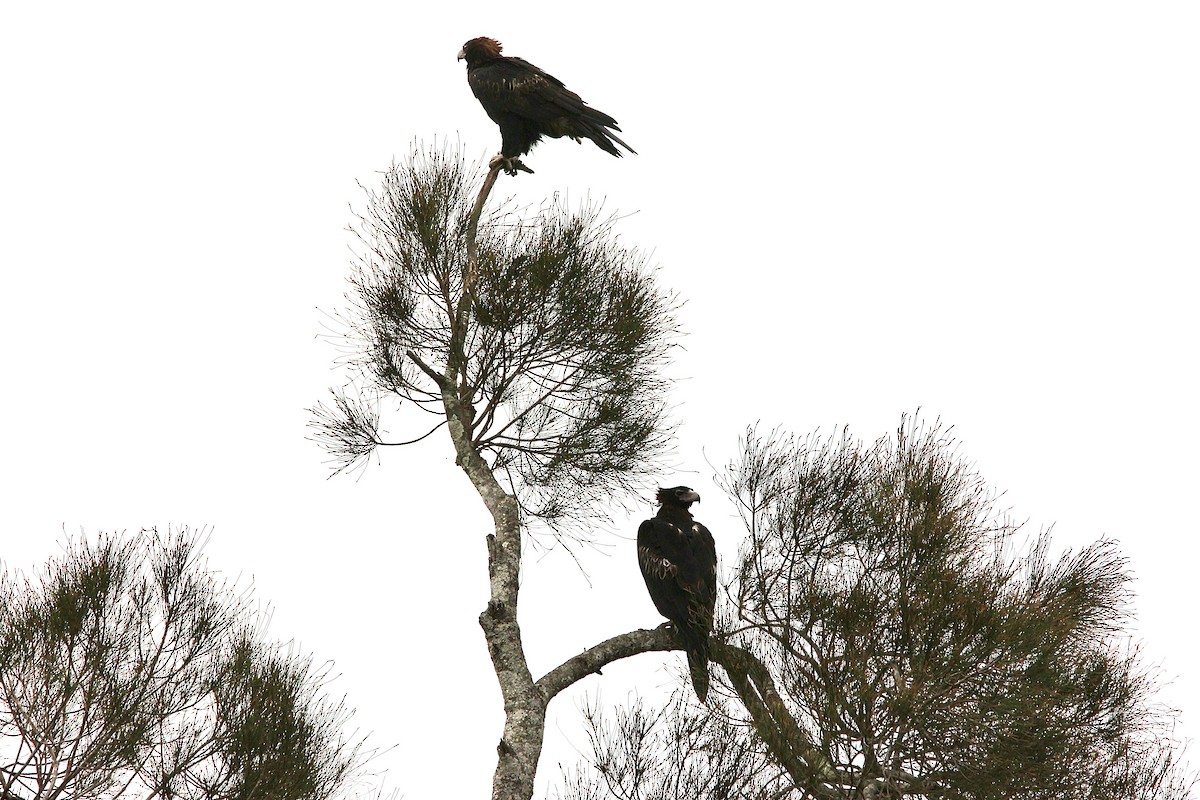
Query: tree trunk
[(524, 703)]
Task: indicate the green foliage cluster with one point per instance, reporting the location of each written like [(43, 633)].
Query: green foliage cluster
[(920, 643), (919, 646), (553, 351), (126, 670)]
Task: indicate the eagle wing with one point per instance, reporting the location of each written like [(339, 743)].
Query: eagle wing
[(528, 103), (680, 570), (702, 577), (514, 86)]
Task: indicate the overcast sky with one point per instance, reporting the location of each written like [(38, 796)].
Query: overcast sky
[(985, 211)]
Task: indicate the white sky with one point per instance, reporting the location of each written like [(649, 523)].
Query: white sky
[(987, 211)]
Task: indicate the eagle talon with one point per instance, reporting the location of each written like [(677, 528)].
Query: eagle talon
[(510, 165)]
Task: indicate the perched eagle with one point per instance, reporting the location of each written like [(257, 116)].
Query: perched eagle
[(679, 562), (528, 104)]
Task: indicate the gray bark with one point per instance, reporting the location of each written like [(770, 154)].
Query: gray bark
[(524, 704)]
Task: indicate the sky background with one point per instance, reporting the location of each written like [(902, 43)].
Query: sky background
[(987, 212)]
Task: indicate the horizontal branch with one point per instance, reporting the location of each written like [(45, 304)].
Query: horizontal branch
[(595, 658)]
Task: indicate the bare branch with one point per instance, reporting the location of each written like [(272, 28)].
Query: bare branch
[(592, 660), (437, 377)]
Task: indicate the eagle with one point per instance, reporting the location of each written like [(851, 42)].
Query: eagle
[(678, 559), (528, 103)]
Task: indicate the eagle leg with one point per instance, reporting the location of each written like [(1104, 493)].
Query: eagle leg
[(511, 165)]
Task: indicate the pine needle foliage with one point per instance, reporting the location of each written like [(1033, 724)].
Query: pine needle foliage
[(128, 670), (920, 643), (556, 358)]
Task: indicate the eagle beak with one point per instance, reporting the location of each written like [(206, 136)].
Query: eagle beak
[(691, 497), (462, 54)]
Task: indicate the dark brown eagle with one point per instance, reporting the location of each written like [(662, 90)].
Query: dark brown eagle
[(679, 562), (528, 104)]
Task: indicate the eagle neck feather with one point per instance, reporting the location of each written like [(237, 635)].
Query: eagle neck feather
[(680, 517)]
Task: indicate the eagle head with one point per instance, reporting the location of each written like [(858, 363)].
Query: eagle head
[(479, 49), (680, 496)]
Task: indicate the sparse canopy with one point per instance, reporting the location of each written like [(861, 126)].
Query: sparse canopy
[(528, 103), (126, 670), (549, 347), (918, 648)]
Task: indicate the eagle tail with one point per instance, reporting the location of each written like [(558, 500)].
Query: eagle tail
[(698, 667), (619, 141), (599, 127), (604, 139)]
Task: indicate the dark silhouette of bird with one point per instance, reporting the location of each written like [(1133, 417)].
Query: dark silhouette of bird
[(528, 104), (679, 562)]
